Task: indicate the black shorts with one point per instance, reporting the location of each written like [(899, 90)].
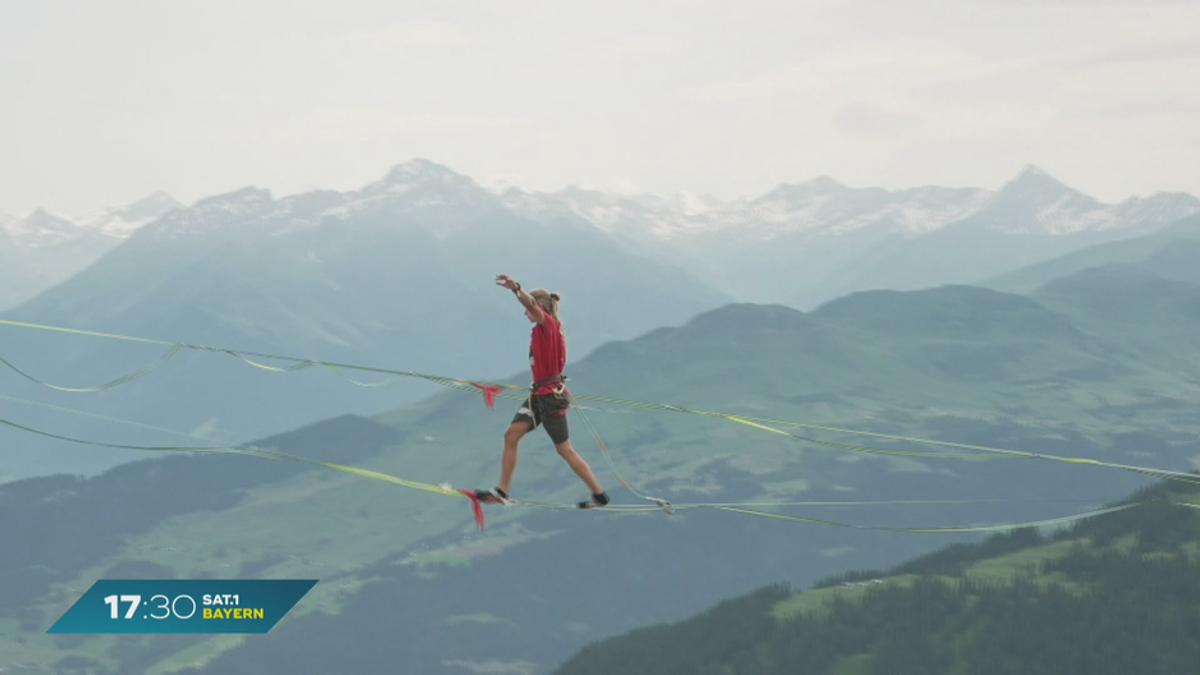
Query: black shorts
[(549, 410)]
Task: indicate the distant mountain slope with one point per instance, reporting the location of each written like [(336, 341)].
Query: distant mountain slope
[(1166, 253), (1124, 300), (19, 279), (1126, 295), (121, 221), (42, 249), (954, 312), (1032, 218), (807, 243), (1111, 595)]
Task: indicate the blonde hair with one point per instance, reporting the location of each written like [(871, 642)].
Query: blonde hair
[(547, 300)]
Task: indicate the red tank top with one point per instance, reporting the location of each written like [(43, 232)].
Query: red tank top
[(547, 353)]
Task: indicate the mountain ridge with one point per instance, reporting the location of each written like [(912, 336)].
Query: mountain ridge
[(1031, 191), (798, 243)]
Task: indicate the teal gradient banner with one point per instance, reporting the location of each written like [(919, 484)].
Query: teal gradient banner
[(182, 606)]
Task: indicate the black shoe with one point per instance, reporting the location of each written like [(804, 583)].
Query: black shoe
[(493, 496), (595, 502)]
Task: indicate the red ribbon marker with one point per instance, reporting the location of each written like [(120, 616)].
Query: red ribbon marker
[(489, 394), (477, 506)]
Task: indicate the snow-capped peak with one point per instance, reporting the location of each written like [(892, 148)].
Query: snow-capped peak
[(1162, 207), (1032, 181), (683, 203), (444, 199), (691, 203), (151, 206), (1037, 203), (42, 228), (416, 173), (824, 206), (248, 204), (247, 198), (1034, 172), (121, 221)]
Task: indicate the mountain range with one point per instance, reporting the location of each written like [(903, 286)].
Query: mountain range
[(808, 243), (798, 244), (398, 275)]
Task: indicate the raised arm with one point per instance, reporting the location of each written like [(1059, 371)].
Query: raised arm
[(535, 310)]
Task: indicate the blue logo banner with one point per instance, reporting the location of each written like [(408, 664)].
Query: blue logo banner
[(182, 606)]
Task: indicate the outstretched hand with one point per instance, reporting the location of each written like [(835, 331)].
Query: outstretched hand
[(507, 282)]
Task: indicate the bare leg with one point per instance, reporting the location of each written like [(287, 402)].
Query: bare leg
[(579, 466), (508, 460)]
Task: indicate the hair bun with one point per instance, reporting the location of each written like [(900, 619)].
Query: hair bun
[(555, 297)]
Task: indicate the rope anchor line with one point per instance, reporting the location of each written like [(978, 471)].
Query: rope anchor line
[(744, 509), (492, 390)]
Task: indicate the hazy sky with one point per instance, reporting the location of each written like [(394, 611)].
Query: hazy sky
[(106, 101)]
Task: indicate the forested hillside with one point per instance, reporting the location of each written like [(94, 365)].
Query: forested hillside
[(1113, 595)]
